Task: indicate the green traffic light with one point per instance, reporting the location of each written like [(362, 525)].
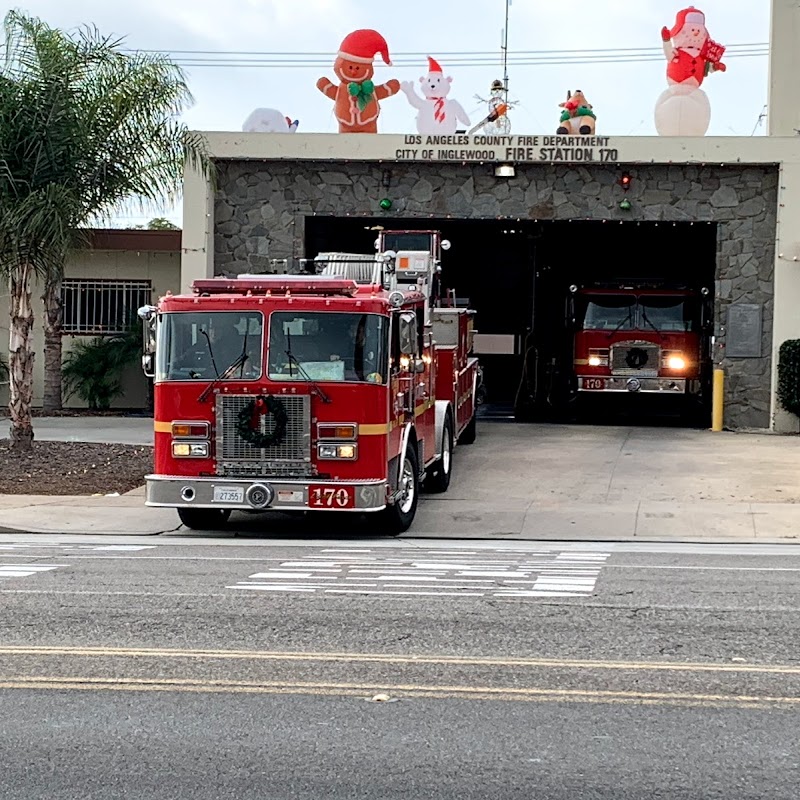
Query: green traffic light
[(385, 204)]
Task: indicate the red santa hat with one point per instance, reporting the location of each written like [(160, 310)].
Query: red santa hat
[(433, 66), (688, 16), (363, 45)]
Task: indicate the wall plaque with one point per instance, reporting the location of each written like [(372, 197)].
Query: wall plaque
[(744, 331)]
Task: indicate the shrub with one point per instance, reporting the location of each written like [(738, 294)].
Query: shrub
[(789, 375), (93, 369)]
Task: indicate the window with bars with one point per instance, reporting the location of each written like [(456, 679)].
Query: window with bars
[(96, 307)]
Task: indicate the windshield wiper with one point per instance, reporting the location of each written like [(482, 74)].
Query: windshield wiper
[(226, 373), (623, 322), (210, 350), (240, 361), (303, 374), (647, 320)]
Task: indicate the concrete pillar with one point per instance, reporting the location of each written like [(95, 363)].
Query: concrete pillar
[(784, 68), (197, 258), (786, 323)]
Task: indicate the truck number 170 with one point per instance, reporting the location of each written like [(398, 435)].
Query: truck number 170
[(330, 497)]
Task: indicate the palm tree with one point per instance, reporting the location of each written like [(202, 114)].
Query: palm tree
[(101, 125)]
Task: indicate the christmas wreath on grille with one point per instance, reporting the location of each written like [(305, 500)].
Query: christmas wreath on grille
[(249, 421)]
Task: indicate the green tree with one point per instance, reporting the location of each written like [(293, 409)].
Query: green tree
[(161, 224), (87, 128)]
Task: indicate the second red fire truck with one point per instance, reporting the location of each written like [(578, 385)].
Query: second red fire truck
[(344, 390), (651, 340)]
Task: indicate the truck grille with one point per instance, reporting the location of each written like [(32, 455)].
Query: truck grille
[(236, 457), (635, 358)]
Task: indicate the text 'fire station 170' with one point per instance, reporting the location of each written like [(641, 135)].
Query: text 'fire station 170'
[(508, 148)]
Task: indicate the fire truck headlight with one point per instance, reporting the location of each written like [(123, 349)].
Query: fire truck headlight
[(676, 362), (341, 451), (190, 449), (598, 358)]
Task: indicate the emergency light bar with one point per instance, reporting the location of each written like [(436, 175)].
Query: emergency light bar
[(276, 284)]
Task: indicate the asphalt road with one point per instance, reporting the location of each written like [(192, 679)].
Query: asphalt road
[(201, 668)]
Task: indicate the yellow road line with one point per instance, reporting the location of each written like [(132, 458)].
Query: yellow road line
[(398, 690), (380, 658)]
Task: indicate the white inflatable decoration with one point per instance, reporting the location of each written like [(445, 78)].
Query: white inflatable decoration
[(268, 120), (683, 108), (437, 113)]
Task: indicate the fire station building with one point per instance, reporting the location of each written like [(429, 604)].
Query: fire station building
[(530, 215)]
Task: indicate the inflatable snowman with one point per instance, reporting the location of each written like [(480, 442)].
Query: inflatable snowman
[(437, 113), (683, 108), (268, 120)]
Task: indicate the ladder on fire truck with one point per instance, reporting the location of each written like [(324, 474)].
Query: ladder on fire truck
[(404, 270)]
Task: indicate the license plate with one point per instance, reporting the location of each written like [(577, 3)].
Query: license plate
[(594, 383), (229, 494), (331, 497)]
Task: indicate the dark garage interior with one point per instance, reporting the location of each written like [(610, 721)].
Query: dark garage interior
[(517, 274)]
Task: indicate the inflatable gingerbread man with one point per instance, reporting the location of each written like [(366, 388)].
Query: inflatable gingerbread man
[(356, 98)]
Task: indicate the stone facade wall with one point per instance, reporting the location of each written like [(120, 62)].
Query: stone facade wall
[(261, 207)]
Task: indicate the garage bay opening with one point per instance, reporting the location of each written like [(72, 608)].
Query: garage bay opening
[(576, 320)]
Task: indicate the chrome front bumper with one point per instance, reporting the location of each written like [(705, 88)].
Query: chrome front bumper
[(257, 494), (632, 385)]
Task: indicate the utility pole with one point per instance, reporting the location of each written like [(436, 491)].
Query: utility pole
[(504, 48)]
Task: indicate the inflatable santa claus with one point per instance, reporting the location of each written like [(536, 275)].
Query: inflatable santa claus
[(683, 108)]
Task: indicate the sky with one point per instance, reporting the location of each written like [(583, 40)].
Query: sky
[(623, 94)]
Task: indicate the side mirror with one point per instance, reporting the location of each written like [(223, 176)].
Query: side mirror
[(408, 334), (148, 315)]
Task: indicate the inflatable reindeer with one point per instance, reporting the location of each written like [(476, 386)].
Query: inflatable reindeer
[(577, 118)]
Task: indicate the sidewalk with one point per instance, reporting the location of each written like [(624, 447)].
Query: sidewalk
[(544, 482)]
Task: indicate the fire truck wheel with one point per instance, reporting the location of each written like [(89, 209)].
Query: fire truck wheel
[(398, 517), (469, 434), (438, 476), (204, 519)]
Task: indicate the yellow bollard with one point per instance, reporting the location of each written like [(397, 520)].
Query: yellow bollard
[(717, 400)]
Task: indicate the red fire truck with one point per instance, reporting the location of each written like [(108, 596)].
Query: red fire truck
[(341, 390), (642, 340)]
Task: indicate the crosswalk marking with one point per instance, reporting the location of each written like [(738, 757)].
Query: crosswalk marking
[(433, 573), (64, 547), (25, 570)]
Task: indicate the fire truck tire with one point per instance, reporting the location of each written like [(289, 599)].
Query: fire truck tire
[(398, 517), (470, 432), (204, 519), (438, 475)]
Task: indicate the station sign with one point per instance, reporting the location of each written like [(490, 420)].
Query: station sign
[(517, 149)]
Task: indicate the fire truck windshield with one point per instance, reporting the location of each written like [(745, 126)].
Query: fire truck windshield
[(609, 313), (200, 346), (662, 313), (668, 313), (407, 241), (328, 346)]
